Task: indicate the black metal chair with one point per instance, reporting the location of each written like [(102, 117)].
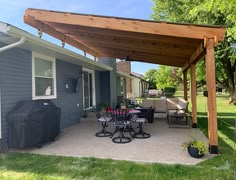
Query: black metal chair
[(103, 118), (122, 124), (141, 119)]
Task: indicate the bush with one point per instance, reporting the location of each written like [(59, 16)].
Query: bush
[(169, 91)]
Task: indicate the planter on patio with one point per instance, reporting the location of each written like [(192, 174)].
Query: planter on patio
[(195, 148), (194, 152)]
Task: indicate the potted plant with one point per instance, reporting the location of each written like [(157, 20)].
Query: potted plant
[(196, 148), (102, 107)]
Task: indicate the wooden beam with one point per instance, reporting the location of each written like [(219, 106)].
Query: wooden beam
[(186, 66), (193, 95), (132, 41), (130, 25), (147, 59), (185, 85), (139, 48), (155, 40), (49, 30), (197, 55), (78, 30), (211, 99)]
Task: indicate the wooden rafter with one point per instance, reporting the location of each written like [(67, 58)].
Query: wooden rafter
[(90, 32), (142, 49), (197, 55), (148, 58), (150, 27), (51, 31)]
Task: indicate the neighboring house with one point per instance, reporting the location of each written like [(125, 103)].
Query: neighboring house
[(135, 85), (139, 85), (32, 68), (125, 67)]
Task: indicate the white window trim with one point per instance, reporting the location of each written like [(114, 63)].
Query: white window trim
[(93, 84), (47, 58)]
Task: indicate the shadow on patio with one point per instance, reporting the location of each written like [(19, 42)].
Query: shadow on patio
[(164, 146)]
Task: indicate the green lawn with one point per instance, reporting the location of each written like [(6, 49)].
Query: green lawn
[(29, 166)]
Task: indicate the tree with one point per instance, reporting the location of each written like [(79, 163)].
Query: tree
[(210, 12), (150, 77), (168, 76)]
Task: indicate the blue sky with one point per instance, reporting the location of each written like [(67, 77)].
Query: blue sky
[(12, 12)]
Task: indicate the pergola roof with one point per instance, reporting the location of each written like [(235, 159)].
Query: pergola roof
[(140, 40)]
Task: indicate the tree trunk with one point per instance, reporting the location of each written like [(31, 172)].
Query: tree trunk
[(232, 99)]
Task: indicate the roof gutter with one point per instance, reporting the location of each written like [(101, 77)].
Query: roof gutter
[(16, 44), (122, 74), (31, 38)]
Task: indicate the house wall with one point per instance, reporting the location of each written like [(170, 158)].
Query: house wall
[(118, 86), (120, 96), (16, 85), (135, 87), (112, 79), (98, 87), (126, 68), (104, 87), (71, 103)]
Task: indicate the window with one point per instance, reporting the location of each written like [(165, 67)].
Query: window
[(43, 77)]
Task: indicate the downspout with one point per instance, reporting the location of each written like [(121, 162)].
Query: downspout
[(10, 46)]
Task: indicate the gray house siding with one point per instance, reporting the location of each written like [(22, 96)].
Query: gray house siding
[(104, 82), (118, 86), (15, 82), (70, 102), (113, 84), (16, 85), (98, 87), (112, 79)]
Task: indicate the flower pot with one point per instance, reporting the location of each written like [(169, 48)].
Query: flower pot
[(194, 152)]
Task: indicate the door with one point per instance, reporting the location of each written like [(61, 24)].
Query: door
[(88, 88)]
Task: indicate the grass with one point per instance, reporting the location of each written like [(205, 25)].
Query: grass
[(31, 166)]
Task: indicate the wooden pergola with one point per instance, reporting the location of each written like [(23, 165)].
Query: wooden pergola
[(179, 45)]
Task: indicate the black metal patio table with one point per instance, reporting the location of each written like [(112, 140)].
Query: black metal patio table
[(122, 123)]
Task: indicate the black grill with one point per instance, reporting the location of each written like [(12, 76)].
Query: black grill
[(33, 123)]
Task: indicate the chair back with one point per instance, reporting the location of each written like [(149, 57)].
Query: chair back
[(103, 115), (183, 105)]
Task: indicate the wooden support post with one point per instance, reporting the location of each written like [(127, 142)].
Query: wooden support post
[(185, 85), (193, 95), (211, 99)]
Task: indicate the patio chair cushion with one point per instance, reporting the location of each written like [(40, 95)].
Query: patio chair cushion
[(176, 112), (182, 104), (179, 109), (140, 120), (160, 105), (147, 103), (104, 119)]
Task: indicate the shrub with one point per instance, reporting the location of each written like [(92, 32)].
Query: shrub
[(169, 91)]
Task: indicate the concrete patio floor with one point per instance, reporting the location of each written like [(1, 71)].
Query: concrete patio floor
[(164, 146)]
